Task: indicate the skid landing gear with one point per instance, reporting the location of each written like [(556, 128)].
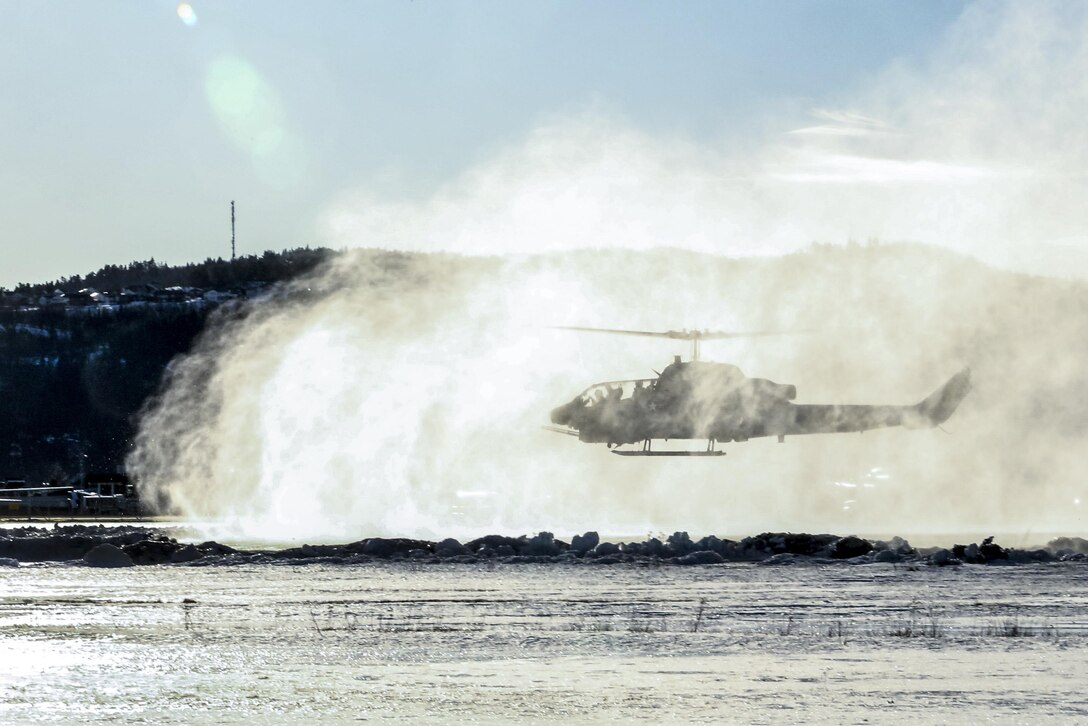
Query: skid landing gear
[(647, 450)]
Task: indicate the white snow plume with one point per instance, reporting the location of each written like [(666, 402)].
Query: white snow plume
[(574, 183), (401, 395), (980, 148), (405, 396)]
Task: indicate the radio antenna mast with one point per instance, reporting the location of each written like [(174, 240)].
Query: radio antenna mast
[(232, 230)]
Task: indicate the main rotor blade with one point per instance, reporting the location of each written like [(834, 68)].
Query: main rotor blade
[(643, 333), (680, 334), (712, 334)]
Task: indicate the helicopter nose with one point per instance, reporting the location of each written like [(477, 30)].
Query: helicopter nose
[(561, 415), (564, 415)]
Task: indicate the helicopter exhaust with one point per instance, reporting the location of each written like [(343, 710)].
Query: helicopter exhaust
[(784, 391)]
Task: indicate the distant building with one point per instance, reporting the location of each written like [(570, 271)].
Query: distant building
[(82, 299), (138, 293), (13, 300), (221, 296)]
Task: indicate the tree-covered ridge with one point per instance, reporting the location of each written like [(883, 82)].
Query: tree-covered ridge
[(211, 273), (71, 386), (73, 383)]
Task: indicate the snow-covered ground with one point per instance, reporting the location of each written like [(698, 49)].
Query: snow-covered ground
[(544, 643)]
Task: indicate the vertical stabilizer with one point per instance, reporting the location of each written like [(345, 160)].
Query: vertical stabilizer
[(942, 403)]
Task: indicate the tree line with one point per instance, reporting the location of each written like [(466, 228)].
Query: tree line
[(72, 385), (211, 273)]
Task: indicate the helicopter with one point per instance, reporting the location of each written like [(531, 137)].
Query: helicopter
[(699, 399)]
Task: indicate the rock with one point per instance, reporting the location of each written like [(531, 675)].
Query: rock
[(771, 543), (380, 547), (782, 558), (214, 548), (942, 558), (654, 547), (582, 543), (144, 545), (710, 543), (188, 553), (541, 545), (968, 553), (702, 557), (604, 549), (494, 541), (107, 555), (897, 545), (850, 546), (991, 552), (151, 551), (486, 551), (818, 545), (450, 548), (679, 543), (729, 549)]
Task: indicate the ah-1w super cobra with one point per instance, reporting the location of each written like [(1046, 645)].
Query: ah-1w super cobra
[(715, 401)]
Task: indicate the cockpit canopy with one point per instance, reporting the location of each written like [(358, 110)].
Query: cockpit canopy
[(694, 378), (616, 390)]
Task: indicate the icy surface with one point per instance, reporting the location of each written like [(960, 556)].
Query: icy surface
[(447, 642)]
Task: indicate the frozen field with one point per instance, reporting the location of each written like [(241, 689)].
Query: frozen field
[(544, 643)]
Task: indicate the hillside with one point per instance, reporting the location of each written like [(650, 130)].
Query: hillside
[(75, 368), (414, 377)]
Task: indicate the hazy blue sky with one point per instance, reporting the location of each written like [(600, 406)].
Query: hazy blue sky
[(127, 128)]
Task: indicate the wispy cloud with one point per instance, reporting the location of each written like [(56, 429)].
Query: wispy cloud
[(834, 168), (844, 123)]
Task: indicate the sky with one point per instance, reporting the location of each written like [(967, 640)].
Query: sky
[(495, 127)]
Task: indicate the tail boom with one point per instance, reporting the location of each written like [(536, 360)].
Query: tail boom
[(934, 410)]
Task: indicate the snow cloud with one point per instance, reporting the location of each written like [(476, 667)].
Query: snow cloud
[(981, 149)]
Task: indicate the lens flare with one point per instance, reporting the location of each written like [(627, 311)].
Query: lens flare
[(187, 14), (251, 114)]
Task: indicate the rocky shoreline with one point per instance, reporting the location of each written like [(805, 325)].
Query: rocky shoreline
[(122, 546)]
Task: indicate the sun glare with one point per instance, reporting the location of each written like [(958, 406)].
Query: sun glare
[(187, 14)]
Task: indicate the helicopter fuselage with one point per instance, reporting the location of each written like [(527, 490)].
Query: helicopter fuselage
[(717, 402)]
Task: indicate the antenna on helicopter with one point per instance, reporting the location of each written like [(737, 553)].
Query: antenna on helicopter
[(695, 336)]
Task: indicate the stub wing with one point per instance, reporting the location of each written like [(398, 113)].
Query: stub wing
[(824, 419)]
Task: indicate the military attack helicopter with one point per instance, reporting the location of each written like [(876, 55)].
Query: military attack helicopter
[(715, 401)]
